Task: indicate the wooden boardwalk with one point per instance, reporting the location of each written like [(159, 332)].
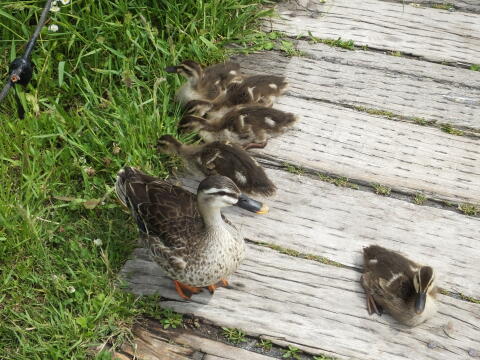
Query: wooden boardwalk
[(361, 114)]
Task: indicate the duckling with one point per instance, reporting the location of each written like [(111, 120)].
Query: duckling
[(187, 235), (206, 83), (252, 90), (224, 159), (250, 127), (404, 288)]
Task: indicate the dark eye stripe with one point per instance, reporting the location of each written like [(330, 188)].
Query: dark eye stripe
[(222, 193)]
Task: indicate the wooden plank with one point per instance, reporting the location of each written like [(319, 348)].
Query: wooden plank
[(360, 146), (150, 347), (462, 5), (315, 217), (433, 34), (400, 85), (210, 347), (316, 307)]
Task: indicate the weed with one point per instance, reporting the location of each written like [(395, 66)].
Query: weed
[(338, 181), (449, 129), (291, 353), (419, 199), (468, 209), (235, 336), (381, 189), (422, 121), (475, 67), (266, 345), (345, 44), (293, 169), (444, 6), (322, 357), (289, 48), (387, 114), (295, 253), (395, 53)]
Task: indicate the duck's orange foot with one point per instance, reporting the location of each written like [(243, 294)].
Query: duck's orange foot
[(222, 282), (185, 291)]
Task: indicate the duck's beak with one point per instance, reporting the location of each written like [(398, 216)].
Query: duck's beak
[(251, 205), (171, 69), (420, 302)]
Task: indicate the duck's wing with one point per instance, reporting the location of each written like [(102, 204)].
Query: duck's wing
[(235, 163), (162, 210), (389, 273)]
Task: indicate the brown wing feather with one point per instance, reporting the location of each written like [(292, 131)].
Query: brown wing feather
[(228, 160), (164, 212)]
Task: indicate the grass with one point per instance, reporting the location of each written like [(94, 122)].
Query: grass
[(295, 253), (419, 199), (381, 189), (235, 336), (291, 352), (475, 67), (338, 181), (339, 42), (468, 209), (449, 129), (98, 100), (266, 345)]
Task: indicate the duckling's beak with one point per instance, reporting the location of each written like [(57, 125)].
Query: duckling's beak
[(420, 302), (171, 69), (251, 205)]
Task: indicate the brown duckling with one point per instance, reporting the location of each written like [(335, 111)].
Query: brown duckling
[(402, 287), (252, 90), (221, 158), (250, 127), (206, 84)]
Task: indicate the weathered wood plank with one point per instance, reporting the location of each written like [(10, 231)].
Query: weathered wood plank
[(360, 146), (462, 5), (430, 33), (153, 348), (318, 218), (152, 342), (400, 85), (207, 346), (318, 308)]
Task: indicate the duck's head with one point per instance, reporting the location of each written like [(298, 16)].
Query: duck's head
[(423, 282), (198, 107), (168, 144), (219, 191), (188, 68), (191, 123)]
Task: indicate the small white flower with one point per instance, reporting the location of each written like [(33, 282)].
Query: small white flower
[(55, 8), (71, 289), (53, 28), (98, 242), (55, 277), (65, 2)]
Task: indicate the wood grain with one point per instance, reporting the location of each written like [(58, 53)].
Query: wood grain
[(319, 218), (316, 307), (360, 146), (433, 34), (462, 5), (400, 85)]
